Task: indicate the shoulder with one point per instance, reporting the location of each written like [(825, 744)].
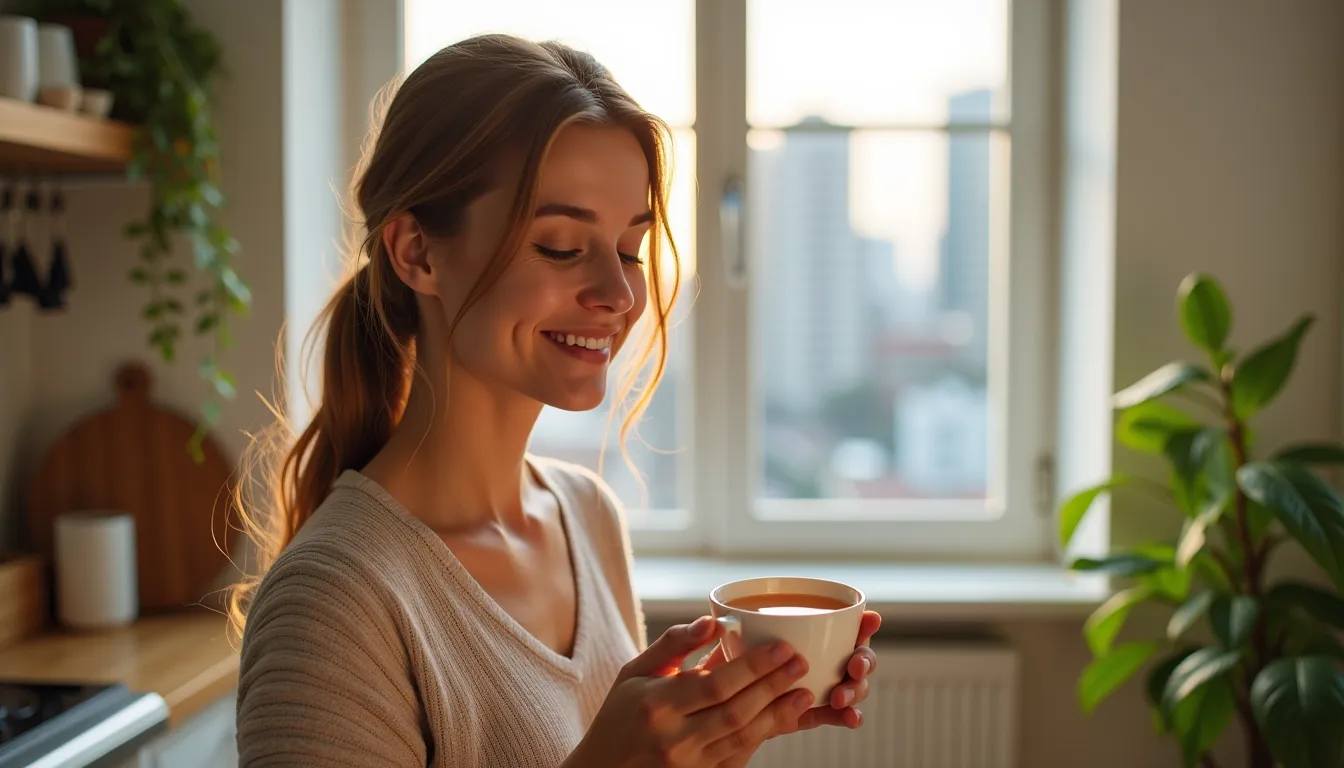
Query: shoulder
[(341, 574)]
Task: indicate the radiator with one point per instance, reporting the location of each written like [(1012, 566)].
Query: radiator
[(928, 707)]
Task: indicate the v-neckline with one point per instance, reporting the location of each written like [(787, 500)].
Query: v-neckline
[(571, 665)]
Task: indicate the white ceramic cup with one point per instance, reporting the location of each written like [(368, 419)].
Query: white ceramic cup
[(18, 58), (58, 66), (96, 581), (826, 640)]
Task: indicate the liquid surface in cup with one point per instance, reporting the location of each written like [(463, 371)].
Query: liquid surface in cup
[(788, 604)]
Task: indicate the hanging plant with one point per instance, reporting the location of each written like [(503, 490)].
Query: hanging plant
[(161, 67)]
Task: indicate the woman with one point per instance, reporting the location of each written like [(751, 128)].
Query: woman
[(432, 594)]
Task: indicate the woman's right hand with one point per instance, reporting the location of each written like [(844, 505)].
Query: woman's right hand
[(659, 715)]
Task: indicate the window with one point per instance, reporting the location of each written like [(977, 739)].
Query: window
[(861, 188)]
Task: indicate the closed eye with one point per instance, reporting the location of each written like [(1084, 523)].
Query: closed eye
[(574, 253), (552, 253)]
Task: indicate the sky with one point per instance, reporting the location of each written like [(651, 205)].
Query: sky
[(857, 62)]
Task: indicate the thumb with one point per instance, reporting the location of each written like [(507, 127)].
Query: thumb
[(667, 653)]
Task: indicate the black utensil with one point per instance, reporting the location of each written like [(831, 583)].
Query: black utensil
[(59, 279), (26, 280)]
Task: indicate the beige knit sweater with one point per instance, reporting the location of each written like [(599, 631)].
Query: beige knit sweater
[(369, 644)]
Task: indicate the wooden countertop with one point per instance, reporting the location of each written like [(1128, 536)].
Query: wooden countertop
[(184, 657)]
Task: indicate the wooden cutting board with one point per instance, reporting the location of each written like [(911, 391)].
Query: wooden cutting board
[(133, 458)]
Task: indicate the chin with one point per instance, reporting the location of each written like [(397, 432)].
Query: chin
[(577, 399)]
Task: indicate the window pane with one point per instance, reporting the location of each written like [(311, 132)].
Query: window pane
[(870, 311), (657, 445), (864, 61), (660, 76)]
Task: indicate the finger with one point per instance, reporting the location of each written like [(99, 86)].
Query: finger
[(861, 663), (708, 688), (820, 716), (738, 712), (781, 716), (666, 654), (868, 626), (849, 694)]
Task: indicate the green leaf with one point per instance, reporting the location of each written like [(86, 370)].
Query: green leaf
[(1312, 453), (1259, 518), (1197, 670), (1072, 512), (1204, 312), (206, 322), (1168, 378), (139, 276), (1299, 704), (1147, 426), (210, 412), (1264, 372), (1325, 607), (1232, 618), (1324, 644), (1189, 614), (175, 276), (1108, 672), (1170, 582), (1212, 573), (1309, 509), (1104, 624), (1157, 683), (1200, 718), (1119, 566), (235, 287), (1195, 534)]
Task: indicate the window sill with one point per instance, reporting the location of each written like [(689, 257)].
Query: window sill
[(674, 588)]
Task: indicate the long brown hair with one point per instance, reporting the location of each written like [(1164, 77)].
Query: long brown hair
[(446, 129)]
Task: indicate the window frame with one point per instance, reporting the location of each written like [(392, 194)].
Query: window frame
[(727, 517)]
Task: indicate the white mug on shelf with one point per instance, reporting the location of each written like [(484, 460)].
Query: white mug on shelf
[(18, 58), (58, 66)]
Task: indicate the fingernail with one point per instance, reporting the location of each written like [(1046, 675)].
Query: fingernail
[(796, 667), (867, 665), (847, 697), (859, 715), (780, 653)]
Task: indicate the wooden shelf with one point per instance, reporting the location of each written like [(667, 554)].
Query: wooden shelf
[(43, 140)]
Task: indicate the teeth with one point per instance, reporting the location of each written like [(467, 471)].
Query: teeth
[(582, 341)]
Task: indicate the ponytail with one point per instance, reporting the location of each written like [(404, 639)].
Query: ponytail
[(367, 363)]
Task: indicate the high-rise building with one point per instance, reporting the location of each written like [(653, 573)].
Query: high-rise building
[(963, 278), (812, 312)]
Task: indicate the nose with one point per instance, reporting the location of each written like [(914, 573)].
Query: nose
[(607, 289)]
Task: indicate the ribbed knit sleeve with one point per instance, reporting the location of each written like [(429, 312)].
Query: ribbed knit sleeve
[(325, 681)]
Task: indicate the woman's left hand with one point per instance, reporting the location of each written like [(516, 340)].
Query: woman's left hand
[(840, 709)]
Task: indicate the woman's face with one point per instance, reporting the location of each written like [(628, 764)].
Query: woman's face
[(550, 326)]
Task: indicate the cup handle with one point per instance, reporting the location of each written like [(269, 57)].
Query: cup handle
[(732, 636)]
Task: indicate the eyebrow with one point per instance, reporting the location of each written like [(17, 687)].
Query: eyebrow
[(586, 215)]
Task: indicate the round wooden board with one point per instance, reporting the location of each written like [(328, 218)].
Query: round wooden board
[(133, 458)]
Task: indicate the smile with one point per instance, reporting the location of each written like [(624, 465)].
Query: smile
[(592, 349)]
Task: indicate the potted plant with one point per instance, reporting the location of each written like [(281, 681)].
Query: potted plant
[(1236, 644), (161, 67)]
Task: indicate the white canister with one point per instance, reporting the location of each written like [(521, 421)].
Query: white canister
[(18, 58), (57, 63), (95, 570)]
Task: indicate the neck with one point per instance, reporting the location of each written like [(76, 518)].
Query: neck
[(456, 459)]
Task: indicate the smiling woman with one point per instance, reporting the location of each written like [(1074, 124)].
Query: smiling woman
[(430, 592)]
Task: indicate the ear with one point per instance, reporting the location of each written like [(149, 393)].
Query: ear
[(407, 247)]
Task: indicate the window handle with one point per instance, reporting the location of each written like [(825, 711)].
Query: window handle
[(730, 229)]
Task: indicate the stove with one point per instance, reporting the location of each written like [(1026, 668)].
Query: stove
[(44, 725)]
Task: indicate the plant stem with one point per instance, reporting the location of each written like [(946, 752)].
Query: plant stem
[(1256, 749)]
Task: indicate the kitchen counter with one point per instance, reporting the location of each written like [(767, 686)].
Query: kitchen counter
[(184, 657)]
